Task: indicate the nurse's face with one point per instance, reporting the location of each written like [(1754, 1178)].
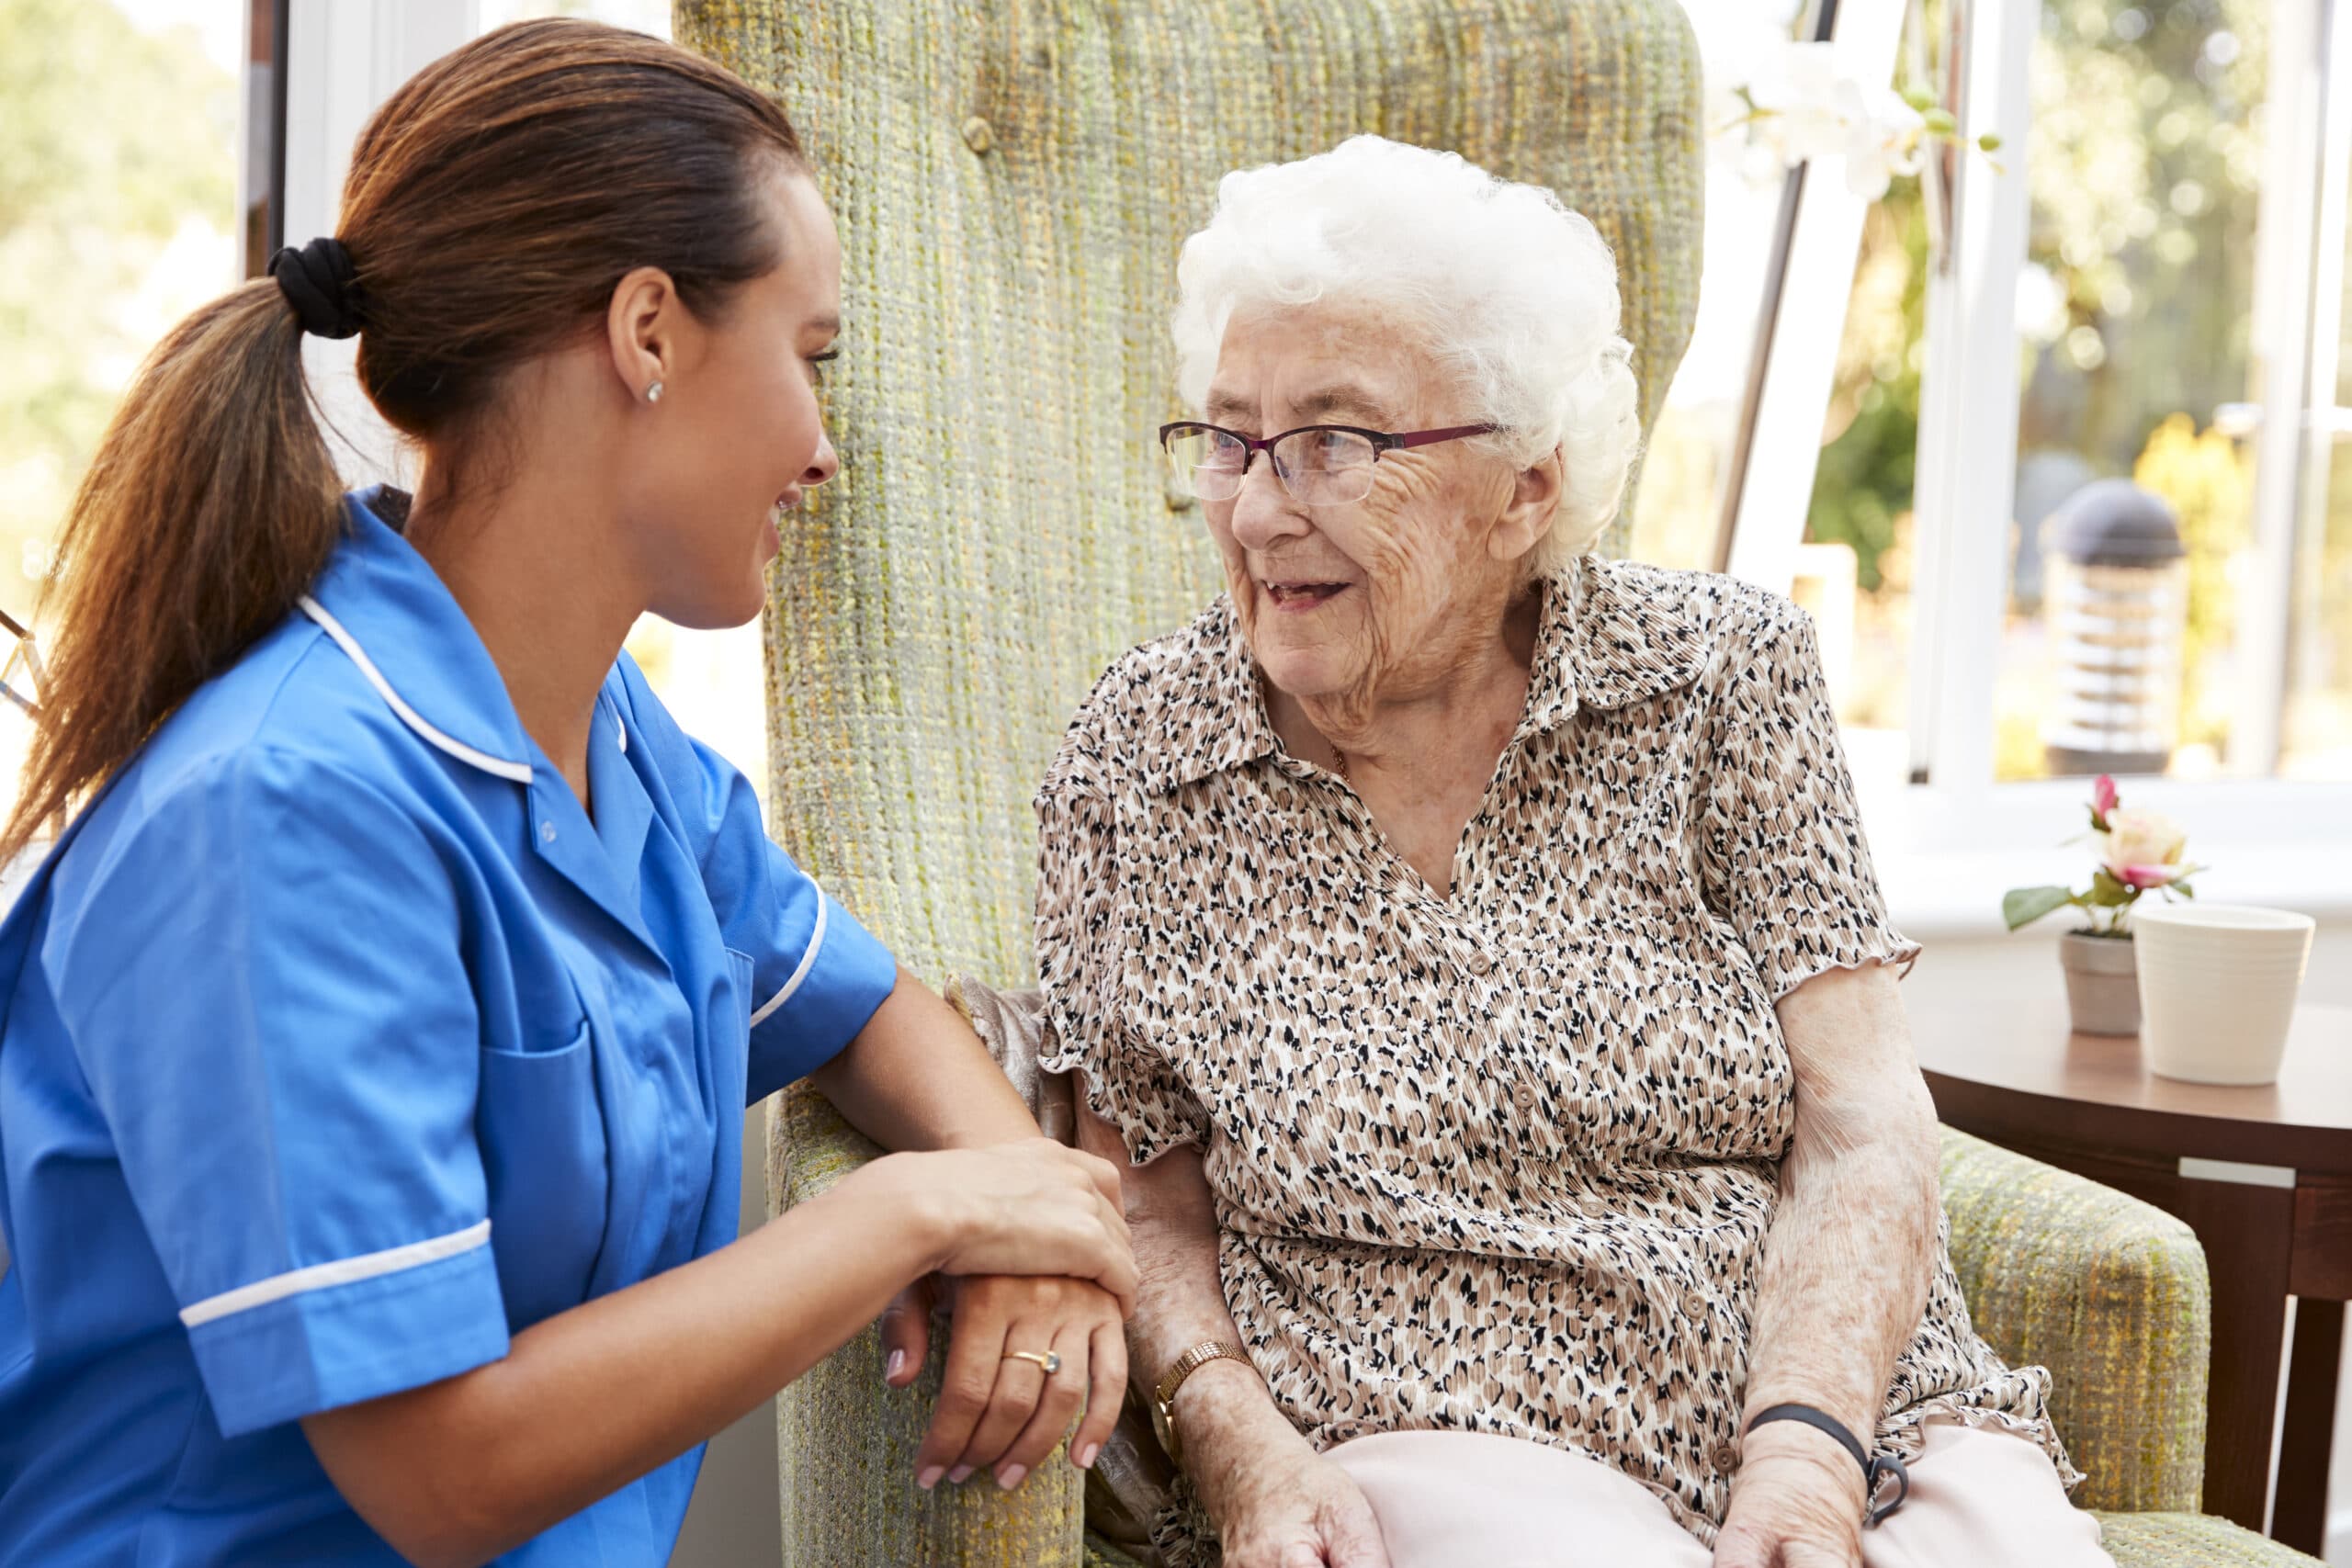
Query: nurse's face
[(741, 441)]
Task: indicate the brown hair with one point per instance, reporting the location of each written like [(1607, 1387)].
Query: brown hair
[(493, 203)]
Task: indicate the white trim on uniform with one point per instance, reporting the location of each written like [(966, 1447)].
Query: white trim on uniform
[(816, 941), (518, 771), (320, 1276)]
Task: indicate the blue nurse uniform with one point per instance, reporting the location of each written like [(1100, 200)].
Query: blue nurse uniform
[(340, 1044)]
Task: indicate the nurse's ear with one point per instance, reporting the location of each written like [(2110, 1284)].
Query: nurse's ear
[(646, 327)]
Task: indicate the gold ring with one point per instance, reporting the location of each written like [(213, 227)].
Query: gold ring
[(1048, 1361)]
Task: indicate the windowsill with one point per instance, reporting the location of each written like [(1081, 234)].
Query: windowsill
[(1945, 858)]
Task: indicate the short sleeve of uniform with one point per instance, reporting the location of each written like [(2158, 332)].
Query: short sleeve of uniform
[(264, 984), (1081, 958), (1780, 849), (817, 974)]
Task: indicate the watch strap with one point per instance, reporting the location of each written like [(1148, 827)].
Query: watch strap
[(1192, 1360)]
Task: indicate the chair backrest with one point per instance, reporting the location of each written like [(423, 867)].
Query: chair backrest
[(1013, 182)]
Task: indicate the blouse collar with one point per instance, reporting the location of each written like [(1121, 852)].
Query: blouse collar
[(1611, 633)]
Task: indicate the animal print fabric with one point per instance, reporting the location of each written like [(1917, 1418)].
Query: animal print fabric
[(1503, 1161)]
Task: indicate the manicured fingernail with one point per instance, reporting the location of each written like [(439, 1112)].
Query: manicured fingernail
[(1086, 1455), (960, 1474), (1009, 1476), (930, 1478), (898, 1359)]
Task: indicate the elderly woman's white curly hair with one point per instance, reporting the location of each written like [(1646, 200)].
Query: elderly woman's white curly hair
[(1516, 295)]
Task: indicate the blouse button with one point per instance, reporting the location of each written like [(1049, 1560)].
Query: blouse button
[(547, 832), (1726, 1458), (1481, 961), (1525, 1094), (1695, 1305)]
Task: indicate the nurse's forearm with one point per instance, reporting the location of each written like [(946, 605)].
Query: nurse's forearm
[(459, 1470), (917, 1078)]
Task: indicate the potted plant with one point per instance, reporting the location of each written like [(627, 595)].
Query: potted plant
[(2139, 852)]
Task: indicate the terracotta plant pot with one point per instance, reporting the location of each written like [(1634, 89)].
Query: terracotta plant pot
[(2102, 983)]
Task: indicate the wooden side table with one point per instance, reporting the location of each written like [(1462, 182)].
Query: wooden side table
[(2263, 1174)]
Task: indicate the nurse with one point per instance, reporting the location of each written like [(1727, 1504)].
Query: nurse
[(376, 1039)]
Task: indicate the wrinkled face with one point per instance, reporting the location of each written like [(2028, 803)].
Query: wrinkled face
[(1375, 597), (737, 439)]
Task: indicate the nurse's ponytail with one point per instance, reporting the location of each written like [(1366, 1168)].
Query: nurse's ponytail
[(493, 203)]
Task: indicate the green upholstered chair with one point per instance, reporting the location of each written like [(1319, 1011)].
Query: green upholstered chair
[(1013, 181)]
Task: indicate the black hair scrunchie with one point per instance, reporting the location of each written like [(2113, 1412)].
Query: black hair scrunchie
[(317, 280)]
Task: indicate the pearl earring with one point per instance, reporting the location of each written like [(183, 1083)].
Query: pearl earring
[(653, 393)]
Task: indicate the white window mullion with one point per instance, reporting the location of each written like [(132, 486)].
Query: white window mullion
[(2284, 248), (1968, 415), (342, 59), (1808, 324)]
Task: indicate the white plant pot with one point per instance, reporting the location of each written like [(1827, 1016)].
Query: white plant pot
[(2218, 984)]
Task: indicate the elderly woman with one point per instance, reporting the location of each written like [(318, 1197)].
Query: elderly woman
[(1473, 944)]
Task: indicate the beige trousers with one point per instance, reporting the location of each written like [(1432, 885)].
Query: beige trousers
[(1980, 1498)]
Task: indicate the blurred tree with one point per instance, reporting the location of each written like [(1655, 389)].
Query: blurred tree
[(115, 145), (2210, 484), (2144, 161)]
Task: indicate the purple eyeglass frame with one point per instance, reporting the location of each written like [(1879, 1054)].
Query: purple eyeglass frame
[(1382, 440)]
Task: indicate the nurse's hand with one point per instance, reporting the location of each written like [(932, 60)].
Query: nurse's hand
[(1030, 1207), (1000, 1413)]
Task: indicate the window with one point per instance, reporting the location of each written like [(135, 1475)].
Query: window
[(119, 219), (2145, 282), (2135, 307)]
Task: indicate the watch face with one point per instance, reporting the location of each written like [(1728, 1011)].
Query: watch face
[(1162, 1430)]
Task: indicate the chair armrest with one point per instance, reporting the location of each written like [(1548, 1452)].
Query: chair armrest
[(845, 1444), (2109, 1293)]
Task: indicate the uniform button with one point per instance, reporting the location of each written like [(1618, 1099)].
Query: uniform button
[(1726, 1459), (547, 832)]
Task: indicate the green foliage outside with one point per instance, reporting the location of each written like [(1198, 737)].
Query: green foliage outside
[(2143, 165), (2209, 482), (112, 141)]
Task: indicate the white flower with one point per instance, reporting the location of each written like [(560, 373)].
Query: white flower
[(2141, 848), (1809, 110), (1883, 143)]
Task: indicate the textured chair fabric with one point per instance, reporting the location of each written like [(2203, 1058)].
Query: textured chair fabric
[(2107, 1291), (1013, 182)]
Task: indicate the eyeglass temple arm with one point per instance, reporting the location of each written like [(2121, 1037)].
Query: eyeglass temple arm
[(1431, 437)]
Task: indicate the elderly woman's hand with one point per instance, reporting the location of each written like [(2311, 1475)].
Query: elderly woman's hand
[(1277, 1502), (1797, 1504), (1002, 1413)]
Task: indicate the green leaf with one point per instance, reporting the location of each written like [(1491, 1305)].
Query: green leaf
[(2107, 893), (2023, 906)]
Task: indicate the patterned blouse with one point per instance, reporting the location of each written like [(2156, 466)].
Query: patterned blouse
[(1501, 1161)]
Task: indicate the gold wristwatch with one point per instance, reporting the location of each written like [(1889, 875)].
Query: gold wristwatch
[(1163, 1422)]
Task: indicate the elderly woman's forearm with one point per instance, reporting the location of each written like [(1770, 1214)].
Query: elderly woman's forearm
[(1849, 1258)]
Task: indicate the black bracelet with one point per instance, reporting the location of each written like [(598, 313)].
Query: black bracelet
[(1875, 1467)]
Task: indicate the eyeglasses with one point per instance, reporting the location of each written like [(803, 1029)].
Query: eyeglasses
[(1322, 465)]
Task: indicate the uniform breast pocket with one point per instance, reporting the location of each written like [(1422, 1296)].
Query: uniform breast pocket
[(542, 1138)]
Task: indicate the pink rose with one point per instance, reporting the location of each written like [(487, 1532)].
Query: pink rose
[(2103, 796)]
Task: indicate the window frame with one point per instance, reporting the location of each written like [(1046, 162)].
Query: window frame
[(1950, 840)]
